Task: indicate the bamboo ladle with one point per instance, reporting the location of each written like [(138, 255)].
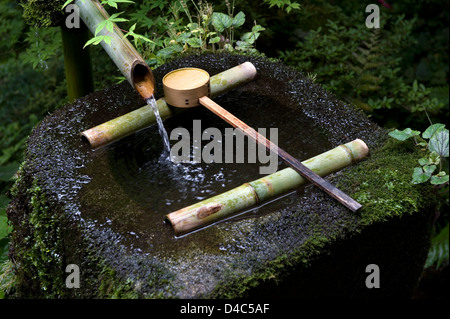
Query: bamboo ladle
[(189, 87)]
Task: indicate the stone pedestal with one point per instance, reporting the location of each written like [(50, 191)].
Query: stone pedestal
[(76, 206)]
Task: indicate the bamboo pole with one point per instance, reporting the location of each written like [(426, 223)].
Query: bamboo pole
[(77, 62), (143, 117), (221, 206), (120, 50)]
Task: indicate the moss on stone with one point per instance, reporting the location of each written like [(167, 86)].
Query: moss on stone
[(39, 254), (42, 13), (382, 183)]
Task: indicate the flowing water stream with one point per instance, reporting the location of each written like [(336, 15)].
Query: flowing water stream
[(162, 131)]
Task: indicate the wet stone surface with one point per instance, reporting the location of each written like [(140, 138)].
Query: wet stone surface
[(117, 196)]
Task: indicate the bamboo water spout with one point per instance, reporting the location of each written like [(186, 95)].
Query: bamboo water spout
[(121, 51), (249, 194)]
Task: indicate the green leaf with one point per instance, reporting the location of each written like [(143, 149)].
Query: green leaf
[(258, 28), (114, 18), (432, 129), (403, 135), (107, 39), (100, 27), (421, 175), (434, 158), (66, 3), (113, 3), (238, 20), (439, 179), (96, 40), (439, 143), (221, 21), (132, 28), (194, 42), (424, 161), (5, 229), (110, 26), (214, 40)]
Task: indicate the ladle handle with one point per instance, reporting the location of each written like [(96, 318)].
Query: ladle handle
[(326, 186)]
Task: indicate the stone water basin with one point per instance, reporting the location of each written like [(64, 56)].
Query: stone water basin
[(103, 210)]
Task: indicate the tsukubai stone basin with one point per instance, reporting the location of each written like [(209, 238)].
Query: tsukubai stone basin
[(103, 210)]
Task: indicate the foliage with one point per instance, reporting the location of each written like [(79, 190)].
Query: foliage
[(438, 254), (434, 168), (365, 67), (164, 33), (437, 152), (283, 4)]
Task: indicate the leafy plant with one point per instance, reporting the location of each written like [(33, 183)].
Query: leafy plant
[(437, 151), (365, 66), (214, 31), (439, 252), (287, 5)]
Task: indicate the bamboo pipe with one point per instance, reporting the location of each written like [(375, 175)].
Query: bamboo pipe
[(143, 117), (189, 87), (77, 62), (121, 51), (249, 194)]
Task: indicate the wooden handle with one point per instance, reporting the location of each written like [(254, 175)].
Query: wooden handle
[(340, 196)]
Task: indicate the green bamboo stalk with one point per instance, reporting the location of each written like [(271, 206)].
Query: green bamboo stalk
[(221, 206), (143, 117), (120, 50), (77, 62)]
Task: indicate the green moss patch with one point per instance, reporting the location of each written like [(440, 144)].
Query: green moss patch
[(42, 13), (382, 183)]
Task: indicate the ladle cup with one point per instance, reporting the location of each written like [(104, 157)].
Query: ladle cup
[(189, 87)]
